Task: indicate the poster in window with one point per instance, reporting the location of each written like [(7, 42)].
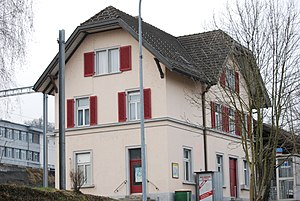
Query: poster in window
[(138, 174), (175, 170)]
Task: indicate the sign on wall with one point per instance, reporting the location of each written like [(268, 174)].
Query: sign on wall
[(205, 187)]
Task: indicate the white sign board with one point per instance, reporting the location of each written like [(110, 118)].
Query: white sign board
[(205, 187)]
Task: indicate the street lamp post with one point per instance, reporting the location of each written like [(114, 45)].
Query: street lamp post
[(143, 150)]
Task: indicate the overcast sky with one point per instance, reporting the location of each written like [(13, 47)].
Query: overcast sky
[(50, 16)]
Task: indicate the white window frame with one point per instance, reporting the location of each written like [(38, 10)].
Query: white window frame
[(230, 77), (90, 163), (135, 104), (246, 174), (9, 133), (8, 152), (2, 131), (187, 165), (218, 116), (35, 156), (23, 154), (220, 166), (29, 155), (107, 69), (23, 136), (17, 154), (78, 108), (231, 115)]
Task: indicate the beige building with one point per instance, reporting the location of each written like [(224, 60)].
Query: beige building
[(184, 78)]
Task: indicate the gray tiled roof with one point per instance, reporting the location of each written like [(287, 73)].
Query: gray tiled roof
[(200, 55)]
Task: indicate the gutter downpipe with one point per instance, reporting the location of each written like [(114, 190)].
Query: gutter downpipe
[(207, 87)]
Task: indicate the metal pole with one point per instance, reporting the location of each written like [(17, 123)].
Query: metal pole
[(45, 142), (143, 150), (62, 153)]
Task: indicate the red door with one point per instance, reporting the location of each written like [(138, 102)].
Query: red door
[(135, 176), (233, 177)]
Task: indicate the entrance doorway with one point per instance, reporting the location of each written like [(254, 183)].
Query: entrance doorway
[(233, 177), (135, 164)]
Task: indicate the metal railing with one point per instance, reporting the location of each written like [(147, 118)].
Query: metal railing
[(153, 185), (120, 186)]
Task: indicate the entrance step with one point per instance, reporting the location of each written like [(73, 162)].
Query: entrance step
[(134, 198)]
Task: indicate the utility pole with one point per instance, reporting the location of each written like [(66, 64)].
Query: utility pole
[(62, 151), (45, 141), (143, 149)]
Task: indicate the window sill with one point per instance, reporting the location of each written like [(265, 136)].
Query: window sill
[(88, 186), (245, 189), (99, 75), (189, 182)]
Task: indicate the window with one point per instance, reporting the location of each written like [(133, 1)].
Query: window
[(2, 132), (8, 152), (17, 134), (83, 111), (134, 105), (9, 133), (187, 162), (36, 157), (30, 137), (23, 154), (220, 166), (218, 117), (29, 155), (129, 107), (230, 78), (246, 173), (35, 138), (83, 164), (231, 121), (23, 136), (17, 154), (107, 61)]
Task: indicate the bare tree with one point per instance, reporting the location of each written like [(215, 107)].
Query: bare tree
[(38, 123), (77, 179), (16, 24), (269, 32)]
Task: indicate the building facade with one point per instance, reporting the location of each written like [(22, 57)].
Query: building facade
[(190, 124), (20, 145)]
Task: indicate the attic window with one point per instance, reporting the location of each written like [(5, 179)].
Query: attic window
[(107, 61), (230, 79)]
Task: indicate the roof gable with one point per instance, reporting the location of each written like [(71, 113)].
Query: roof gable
[(201, 56)]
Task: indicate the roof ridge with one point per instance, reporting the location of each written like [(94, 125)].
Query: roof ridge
[(110, 12), (205, 32)]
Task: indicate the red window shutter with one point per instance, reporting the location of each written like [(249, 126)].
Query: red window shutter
[(122, 106), (93, 110), (225, 119), (70, 113), (223, 79), (147, 104), (125, 58), (237, 82), (238, 126), (213, 114), (88, 64)]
